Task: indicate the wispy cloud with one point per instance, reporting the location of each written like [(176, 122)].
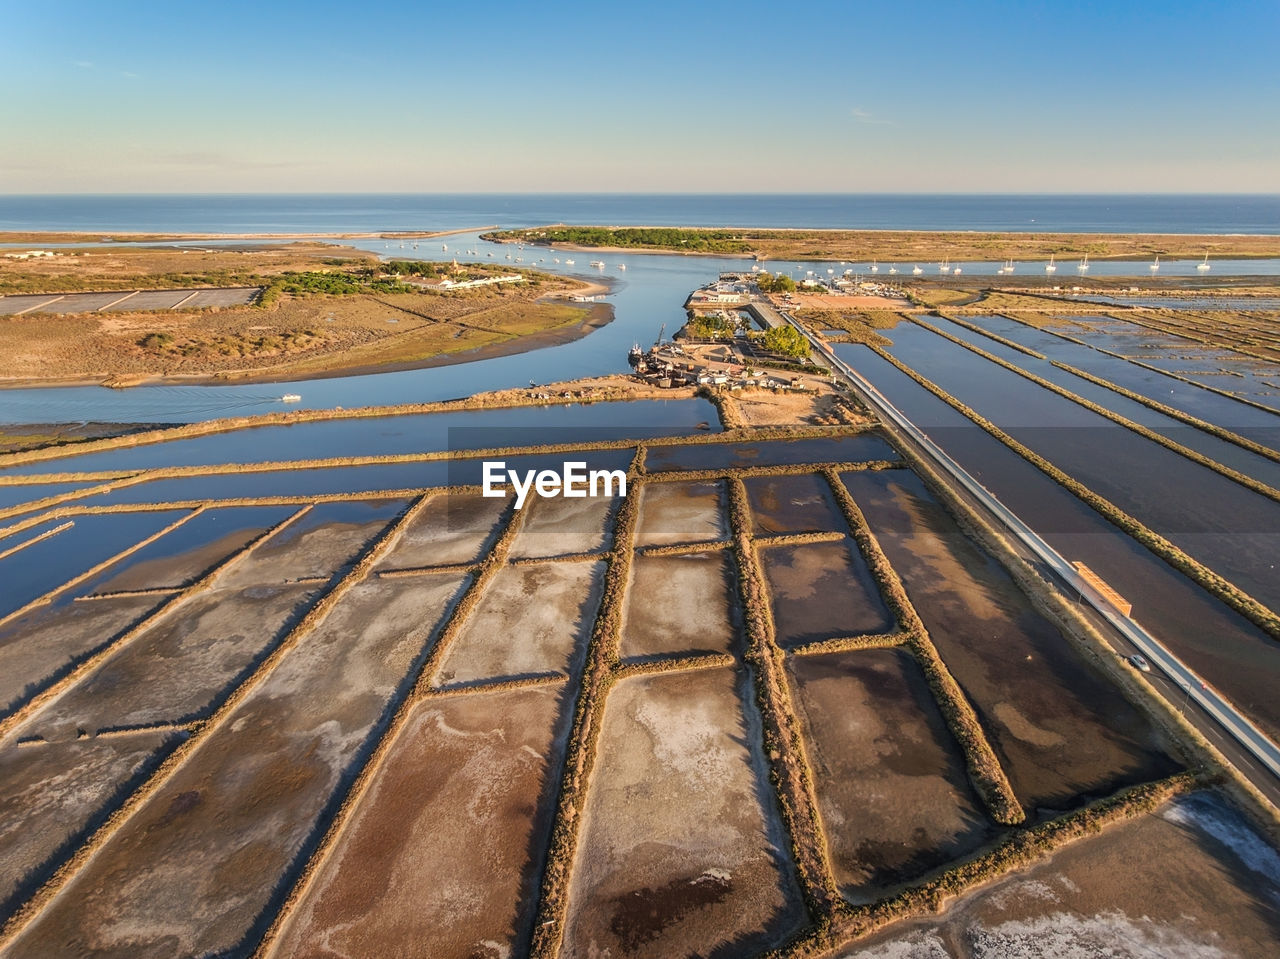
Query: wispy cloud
[(83, 64), (866, 116), (129, 74)]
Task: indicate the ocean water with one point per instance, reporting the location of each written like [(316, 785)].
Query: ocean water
[(350, 213)]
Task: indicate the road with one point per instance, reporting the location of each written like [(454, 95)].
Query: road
[(1253, 753)]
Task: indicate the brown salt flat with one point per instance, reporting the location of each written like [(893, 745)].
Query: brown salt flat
[(47, 641), (192, 871), (441, 858), (822, 590), (559, 526), (531, 620), (680, 604), (181, 666), (792, 504), (313, 546), (1192, 880), (681, 513), (678, 854), (891, 782), (52, 793), (453, 528)]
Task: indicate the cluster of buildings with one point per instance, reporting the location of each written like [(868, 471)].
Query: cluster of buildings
[(668, 365), (447, 284)]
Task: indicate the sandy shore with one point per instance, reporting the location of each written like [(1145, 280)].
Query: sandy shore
[(599, 314)]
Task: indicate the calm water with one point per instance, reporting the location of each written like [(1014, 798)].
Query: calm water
[(320, 213), (394, 435)]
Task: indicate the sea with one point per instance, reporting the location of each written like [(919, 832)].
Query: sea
[(375, 212)]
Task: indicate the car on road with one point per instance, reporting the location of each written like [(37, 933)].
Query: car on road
[(1140, 663)]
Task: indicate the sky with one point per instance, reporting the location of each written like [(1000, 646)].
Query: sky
[(848, 97)]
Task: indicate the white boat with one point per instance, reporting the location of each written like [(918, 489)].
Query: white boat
[(1083, 265), (1203, 267), (893, 270), (917, 271), (568, 262), (622, 266), (598, 264), (945, 266), (1008, 267), (291, 398), (1051, 267), (874, 267), (1155, 266), (444, 248), (955, 271)]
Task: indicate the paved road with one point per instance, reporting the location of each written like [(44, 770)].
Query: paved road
[(1263, 755)]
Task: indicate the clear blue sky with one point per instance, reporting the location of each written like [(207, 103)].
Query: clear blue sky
[(721, 97)]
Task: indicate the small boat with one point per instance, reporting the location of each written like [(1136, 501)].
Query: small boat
[(955, 271), (444, 248), (917, 271), (598, 264), (622, 266), (1155, 266), (1051, 267), (893, 270), (1008, 267), (945, 266), (874, 267), (1083, 265), (291, 398), (568, 262), (1203, 267), (634, 354)]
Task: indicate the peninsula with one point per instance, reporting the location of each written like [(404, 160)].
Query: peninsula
[(891, 245), (282, 311)]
